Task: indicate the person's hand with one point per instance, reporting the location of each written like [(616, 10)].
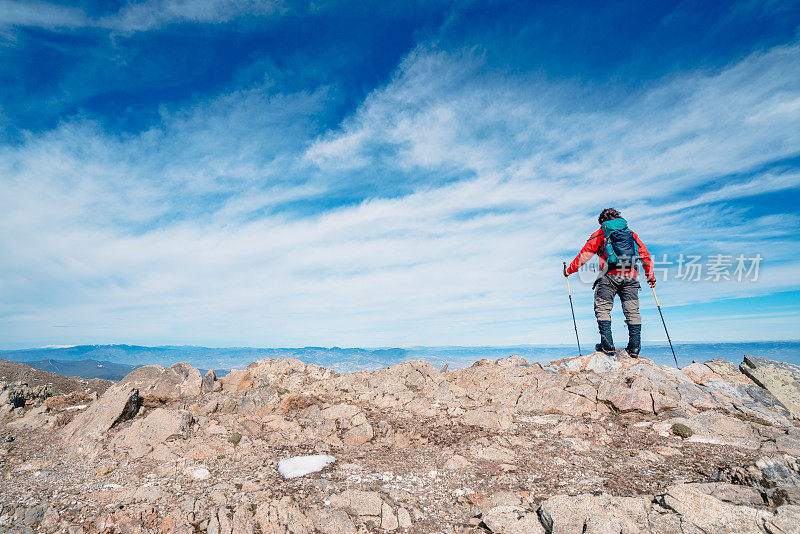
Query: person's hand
[(565, 271), (652, 282)]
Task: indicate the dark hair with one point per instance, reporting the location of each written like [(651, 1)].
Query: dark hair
[(608, 214)]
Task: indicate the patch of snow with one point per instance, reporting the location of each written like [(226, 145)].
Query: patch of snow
[(201, 473), (76, 407), (299, 466)]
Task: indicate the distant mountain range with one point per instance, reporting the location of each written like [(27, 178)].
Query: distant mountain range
[(114, 361), (84, 368), (341, 359)]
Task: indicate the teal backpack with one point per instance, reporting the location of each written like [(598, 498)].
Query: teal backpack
[(619, 245)]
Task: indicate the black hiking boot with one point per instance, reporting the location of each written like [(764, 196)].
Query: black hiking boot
[(634, 340), (606, 339), (599, 348)]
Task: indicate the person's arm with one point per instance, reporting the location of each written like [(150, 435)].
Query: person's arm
[(589, 249), (647, 261)]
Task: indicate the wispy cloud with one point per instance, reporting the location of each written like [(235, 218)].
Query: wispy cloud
[(133, 17), (438, 212), (42, 14)]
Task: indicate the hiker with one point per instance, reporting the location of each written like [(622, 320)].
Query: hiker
[(618, 248)]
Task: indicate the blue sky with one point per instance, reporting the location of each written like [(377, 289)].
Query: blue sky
[(388, 173)]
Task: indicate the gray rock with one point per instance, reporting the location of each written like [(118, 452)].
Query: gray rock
[(788, 443), (511, 361), (225, 520), (117, 404), (782, 379), (403, 518), (768, 400), (512, 520), (720, 429), (148, 494), (207, 385), (388, 518), (33, 419), (730, 493), (340, 411), (154, 428), (283, 515), (332, 521), (358, 435), (781, 496), (592, 514), (362, 503), (502, 498), (34, 514), (779, 472), (487, 417), (155, 382), (710, 515), (242, 521), (785, 521)]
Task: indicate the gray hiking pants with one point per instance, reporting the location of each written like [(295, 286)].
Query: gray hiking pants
[(627, 287)]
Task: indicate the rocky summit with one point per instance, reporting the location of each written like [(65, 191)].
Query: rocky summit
[(594, 444)]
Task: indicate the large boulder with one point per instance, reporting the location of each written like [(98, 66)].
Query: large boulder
[(705, 513), (512, 520), (720, 429), (331, 522), (734, 391), (156, 383), (785, 521), (237, 380), (782, 379), (117, 404), (284, 515), (597, 362), (154, 428), (594, 514), (362, 503)]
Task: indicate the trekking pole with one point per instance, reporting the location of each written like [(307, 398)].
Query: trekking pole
[(575, 324), (665, 328)]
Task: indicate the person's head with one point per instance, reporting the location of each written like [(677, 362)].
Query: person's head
[(608, 214)]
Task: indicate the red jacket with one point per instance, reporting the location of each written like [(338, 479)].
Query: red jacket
[(595, 246)]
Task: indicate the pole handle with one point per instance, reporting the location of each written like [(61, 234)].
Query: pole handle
[(655, 297), (569, 292)]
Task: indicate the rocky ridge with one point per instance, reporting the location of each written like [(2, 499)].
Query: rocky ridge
[(588, 445)]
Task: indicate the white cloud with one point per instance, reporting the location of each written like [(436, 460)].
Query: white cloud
[(32, 13), (153, 14), (149, 14), (175, 236)]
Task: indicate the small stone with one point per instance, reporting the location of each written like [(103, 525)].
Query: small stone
[(388, 519), (201, 473), (457, 463), (403, 518), (679, 429), (359, 435)]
